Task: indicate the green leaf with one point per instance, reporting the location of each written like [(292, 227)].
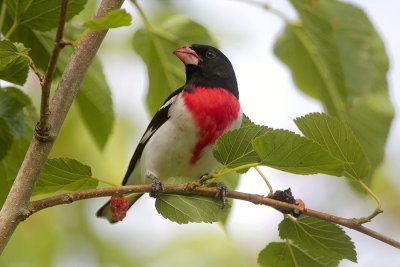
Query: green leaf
[(12, 104), (246, 121), (64, 174), (93, 98), (234, 148), (41, 15), (287, 151), (11, 163), (95, 104), (337, 138), (280, 254), (113, 19), (155, 47), (14, 62), (321, 237), (336, 56), (24, 35), (185, 209)]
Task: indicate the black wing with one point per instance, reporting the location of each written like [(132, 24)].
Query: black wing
[(159, 119)]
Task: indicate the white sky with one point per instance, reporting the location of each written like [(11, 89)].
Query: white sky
[(246, 34)]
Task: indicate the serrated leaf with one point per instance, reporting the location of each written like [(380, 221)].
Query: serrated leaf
[(113, 19), (41, 15), (337, 138), (320, 237), (336, 56), (95, 104), (185, 209), (12, 103), (64, 174), (286, 254), (246, 121), (14, 62), (165, 72), (287, 151), (234, 148), (8, 53)]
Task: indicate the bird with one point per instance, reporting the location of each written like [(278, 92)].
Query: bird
[(179, 138)]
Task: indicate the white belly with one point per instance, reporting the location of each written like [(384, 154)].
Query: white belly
[(168, 152)]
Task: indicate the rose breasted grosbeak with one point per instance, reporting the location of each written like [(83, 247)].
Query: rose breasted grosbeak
[(179, 138)]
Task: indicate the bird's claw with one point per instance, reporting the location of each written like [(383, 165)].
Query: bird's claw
[(222, 191), (156, 185)]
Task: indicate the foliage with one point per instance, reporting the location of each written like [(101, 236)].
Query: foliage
[(154, 42), (333, 52), (64, 174), (337, 57), (114, 19)]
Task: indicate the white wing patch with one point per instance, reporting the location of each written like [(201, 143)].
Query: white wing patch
[(167, 103), (147, 135)]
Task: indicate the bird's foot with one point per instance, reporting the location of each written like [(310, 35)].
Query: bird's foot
[(222, 191), (156, 185)]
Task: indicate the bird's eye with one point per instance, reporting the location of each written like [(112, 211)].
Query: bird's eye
[(210, 54)]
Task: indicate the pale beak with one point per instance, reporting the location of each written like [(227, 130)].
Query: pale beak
[(187, 55)]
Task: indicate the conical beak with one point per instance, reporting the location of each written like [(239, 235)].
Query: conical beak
[(187, 55)]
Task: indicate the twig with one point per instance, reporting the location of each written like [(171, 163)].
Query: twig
[(267, 7), (271, 191), (183, 189), (37, 72), (42, 129), (18, 198)]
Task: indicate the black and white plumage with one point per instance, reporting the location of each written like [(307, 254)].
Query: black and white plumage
[(178, 140)]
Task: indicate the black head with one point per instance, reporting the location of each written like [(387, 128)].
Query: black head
[(207, 66)]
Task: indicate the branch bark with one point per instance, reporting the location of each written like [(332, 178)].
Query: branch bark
[(17, 201), (42, 129), (184, 189)]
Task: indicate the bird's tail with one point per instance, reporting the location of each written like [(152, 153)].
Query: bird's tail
[(105, 212)]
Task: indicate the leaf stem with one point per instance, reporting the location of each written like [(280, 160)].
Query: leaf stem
[(371, 193), (11, 30), (37, 72), (267, 7), (378, 208), (158, 48), (271, 191), (227, 171), (145, 20), (2, 14)]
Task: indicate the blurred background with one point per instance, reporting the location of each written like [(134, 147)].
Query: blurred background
[(71, 235)]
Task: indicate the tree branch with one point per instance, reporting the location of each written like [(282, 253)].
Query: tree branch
[(184, 189), (17, 201), (42, 129)]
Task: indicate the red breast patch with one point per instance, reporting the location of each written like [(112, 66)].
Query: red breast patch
[(213, 110)]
